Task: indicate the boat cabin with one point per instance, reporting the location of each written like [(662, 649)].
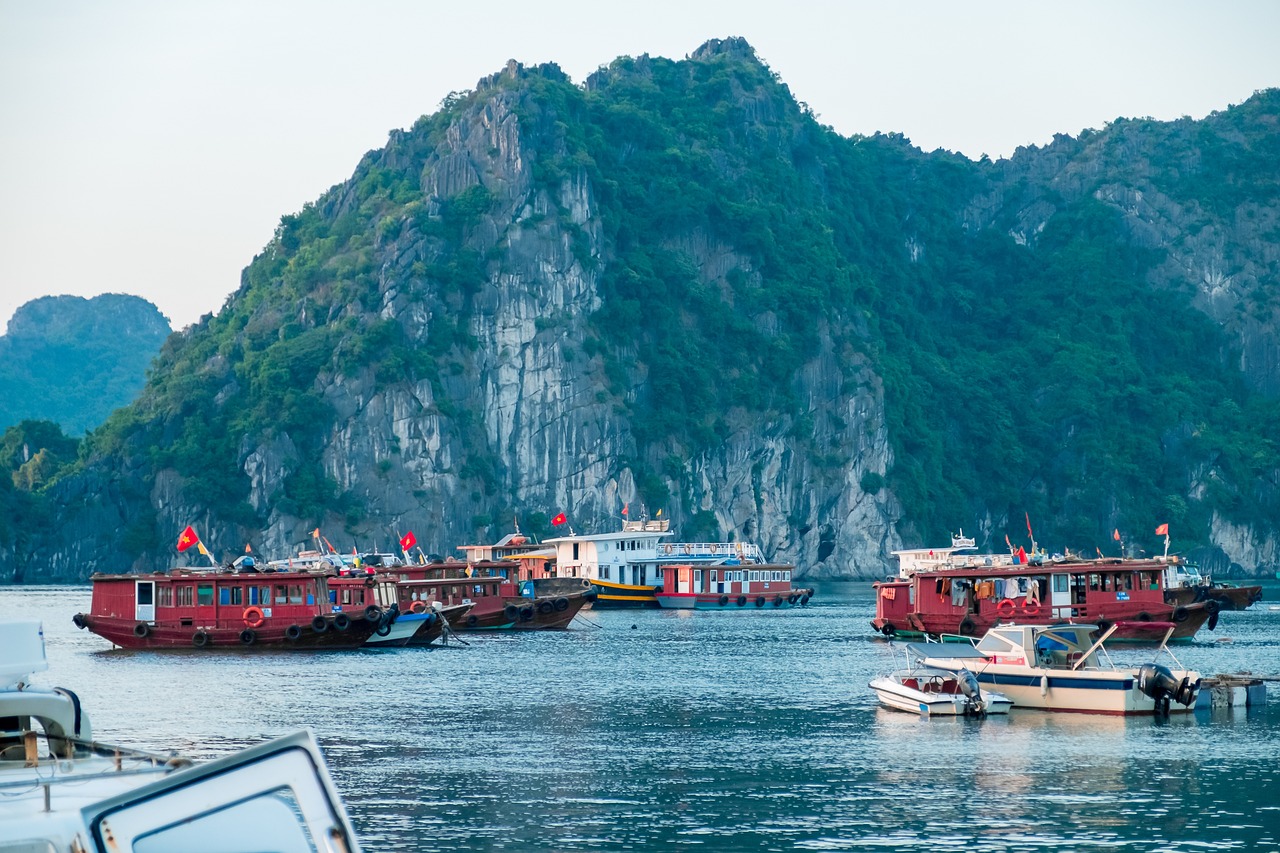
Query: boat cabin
[(209, 598), (733, 581)]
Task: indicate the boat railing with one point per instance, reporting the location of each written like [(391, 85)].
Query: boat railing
[(744, 551)]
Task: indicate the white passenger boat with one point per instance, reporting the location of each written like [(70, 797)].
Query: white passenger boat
[(934, 692), (61, 791), (1061, 668)]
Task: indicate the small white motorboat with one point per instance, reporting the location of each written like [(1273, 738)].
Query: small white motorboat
[(934, 692), (1062, 668), (62, 790)]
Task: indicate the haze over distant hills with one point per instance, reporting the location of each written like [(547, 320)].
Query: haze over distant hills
[(672, 288), (73, 361)]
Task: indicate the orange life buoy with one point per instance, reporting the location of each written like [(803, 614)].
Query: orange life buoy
[(688, 549), (253, 617), (418, 607), (1003, 611), (1031, 608), (668, 548), (714, 548)]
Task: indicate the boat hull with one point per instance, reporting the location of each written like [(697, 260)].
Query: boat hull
[(1114, 693), (610, 595), (895, 695), (526, 614), (777, 599), (274, 634)]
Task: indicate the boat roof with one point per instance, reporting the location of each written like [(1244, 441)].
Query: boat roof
[(945, 650)]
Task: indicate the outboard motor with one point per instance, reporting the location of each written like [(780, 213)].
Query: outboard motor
[(1158, 682), (968, 684)]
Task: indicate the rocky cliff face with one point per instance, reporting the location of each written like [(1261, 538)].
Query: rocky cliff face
[(440, 342)]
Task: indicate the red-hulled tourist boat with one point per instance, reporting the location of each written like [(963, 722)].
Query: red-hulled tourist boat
[(941, 592), (221, 608), (501, 602), (726, 587)]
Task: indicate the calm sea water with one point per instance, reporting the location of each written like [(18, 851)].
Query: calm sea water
[(707, 731)]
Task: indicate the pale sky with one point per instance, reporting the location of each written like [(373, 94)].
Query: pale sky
[(151, 146)]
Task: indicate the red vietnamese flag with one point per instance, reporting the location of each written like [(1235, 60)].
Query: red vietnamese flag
[(1162, 530), (187, 539), (624, 508), (1116, 535), (408, 541), (559, 520)]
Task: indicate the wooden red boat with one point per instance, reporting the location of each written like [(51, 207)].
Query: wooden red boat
[(223, 608), (501, 602), (729, 587), (966, 596)]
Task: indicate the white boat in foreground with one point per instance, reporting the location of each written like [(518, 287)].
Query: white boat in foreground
[(61, 791), (1061, 668), (934, 692)]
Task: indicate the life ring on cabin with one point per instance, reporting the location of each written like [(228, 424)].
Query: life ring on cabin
[(724, 599), (1005, 612), (668, 547), (248, 637), (199, 639), (688, 549), (253, 617), (142, 629), (560, 604), (715, 548), (742, 601), (319, 625), (1032, 609), (759, 601), (293, 632), (373, 613), (1180, 613), (418, 607)]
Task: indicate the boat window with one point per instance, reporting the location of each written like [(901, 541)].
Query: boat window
[(204, 594), (282, 594), (346, 595), (995, 643), (1108, 583), (1059, 583), (164, 596), (1095, 582), (224, 595), (184, 596), (604, 572), (714, 576), (755, 576), (1128, 580), (786, 576), (295, 594)]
